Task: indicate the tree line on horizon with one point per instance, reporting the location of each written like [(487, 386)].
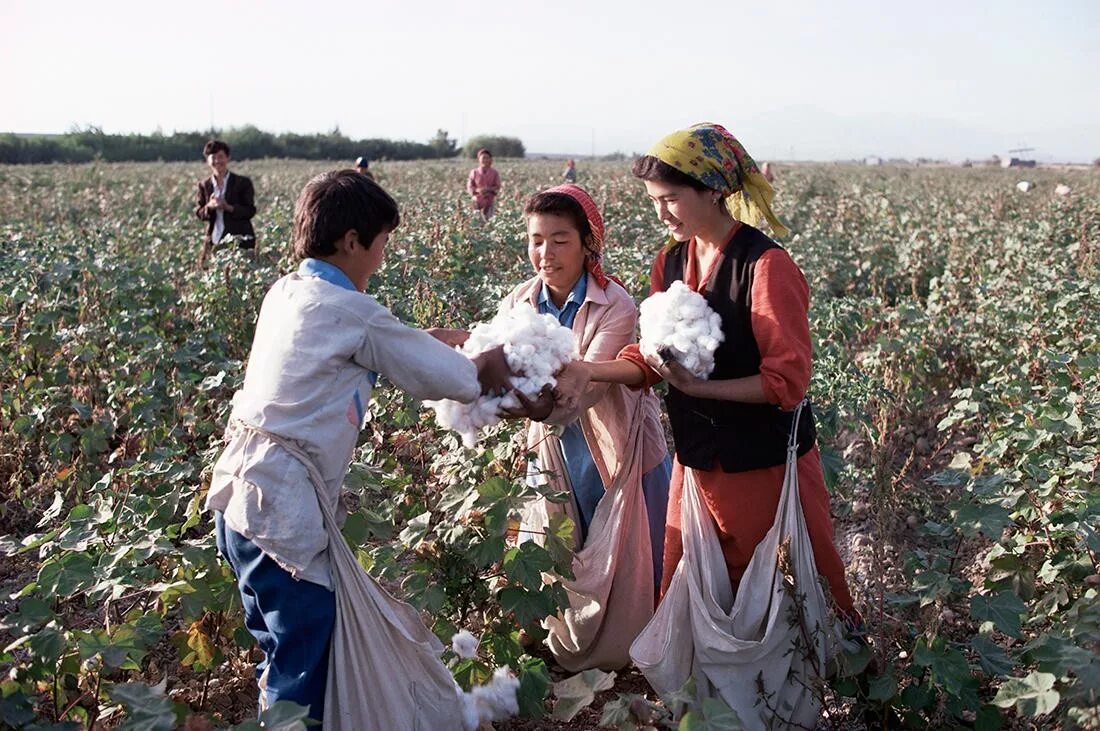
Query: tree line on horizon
[(248, 142)]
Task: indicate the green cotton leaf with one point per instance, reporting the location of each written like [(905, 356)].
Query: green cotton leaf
[(525, 563), (281, 716), (1033, 695), (48, 644), (470, 672), (947, 666), (1003, 609), (147, 708), (993, 659), (559, 543), (66, 574), (529, 606), (534, 682), (579, 691), (416, 530), (988, 719), (32, 612), (1059, 655), (711, 715), (882, 688), (982, 518), (485, 553), (493, 490)]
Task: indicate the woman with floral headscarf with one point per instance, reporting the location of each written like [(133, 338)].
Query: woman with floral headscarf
[(731, 428), (608, 451)]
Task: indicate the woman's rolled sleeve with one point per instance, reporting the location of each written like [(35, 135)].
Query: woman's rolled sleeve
[(780, 324)]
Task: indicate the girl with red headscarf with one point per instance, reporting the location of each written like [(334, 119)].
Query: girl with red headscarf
[(608, 452)]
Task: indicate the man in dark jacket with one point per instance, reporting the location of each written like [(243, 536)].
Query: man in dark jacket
[(224, 201)]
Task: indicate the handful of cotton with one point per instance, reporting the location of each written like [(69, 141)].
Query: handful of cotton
[(535, 346), (679, 322)]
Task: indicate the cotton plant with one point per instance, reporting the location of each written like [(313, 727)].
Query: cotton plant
[(679, 323), (535, 346)]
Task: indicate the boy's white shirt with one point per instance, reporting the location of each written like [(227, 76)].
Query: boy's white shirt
[(314, 345)]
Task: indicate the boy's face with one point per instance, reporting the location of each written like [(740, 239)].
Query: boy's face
[(365, 262), (485, 160), (218, 162)]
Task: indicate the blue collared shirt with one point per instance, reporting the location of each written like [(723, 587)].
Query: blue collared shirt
[(335, 275), (583, 474)]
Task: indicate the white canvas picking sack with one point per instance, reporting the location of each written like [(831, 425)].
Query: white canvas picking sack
[(757, 657), (384, 671)]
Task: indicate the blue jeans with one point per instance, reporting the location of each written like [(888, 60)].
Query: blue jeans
[(655, 489), (291, 620)]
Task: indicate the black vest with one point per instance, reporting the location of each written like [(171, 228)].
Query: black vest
[(740, 436)]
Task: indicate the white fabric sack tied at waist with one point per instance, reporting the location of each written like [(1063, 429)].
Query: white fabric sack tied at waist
[(611, 596), (763, 657), (384, 671)]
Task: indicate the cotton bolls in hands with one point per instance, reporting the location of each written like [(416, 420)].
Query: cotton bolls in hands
[(680, 321), (535, 346)]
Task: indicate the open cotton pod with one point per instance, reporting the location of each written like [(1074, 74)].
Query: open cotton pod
[(679, 322)]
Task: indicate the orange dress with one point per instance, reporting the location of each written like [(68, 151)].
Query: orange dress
[(743, 504)]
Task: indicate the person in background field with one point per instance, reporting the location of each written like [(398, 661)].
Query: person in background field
[(570, 173), (225, 201), (319, 344), (768, 173), (484, 184), (362, 164), (731, 428)]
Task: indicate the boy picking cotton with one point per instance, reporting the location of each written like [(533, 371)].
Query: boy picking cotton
[(319, 344)]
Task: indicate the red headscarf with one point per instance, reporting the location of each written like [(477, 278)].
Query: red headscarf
[(595, 222)]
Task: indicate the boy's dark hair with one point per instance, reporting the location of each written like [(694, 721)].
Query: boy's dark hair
[(214, 146), (333, 203), (484, 151), (648, 167), (560, 204)]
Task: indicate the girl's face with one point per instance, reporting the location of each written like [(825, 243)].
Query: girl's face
[(683, 209), (555, 249)]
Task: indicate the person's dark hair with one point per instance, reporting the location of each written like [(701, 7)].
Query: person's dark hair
[(484, 150), (214, 146), (560, 204), (333, 203), (648, 167)]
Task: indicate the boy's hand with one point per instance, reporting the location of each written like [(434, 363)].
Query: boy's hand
[(537, 409), (449, 336), (492, 371)]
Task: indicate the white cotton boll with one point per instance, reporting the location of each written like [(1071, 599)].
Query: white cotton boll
[(494, 701), (680, 320), (464, 644), (1023, 186), (535, 347), (1061, 189)]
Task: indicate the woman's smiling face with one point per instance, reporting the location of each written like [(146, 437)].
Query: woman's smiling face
[(683, 209)]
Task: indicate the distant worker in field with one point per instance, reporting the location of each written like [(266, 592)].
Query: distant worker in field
[(319, 344), (362, 164), (766, 171), (570, 173), (484, 184), (225, 201)]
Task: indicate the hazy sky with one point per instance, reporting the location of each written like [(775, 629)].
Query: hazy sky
[(808, 80)]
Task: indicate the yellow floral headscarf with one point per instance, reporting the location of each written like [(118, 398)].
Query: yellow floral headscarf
[(710, 154)]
